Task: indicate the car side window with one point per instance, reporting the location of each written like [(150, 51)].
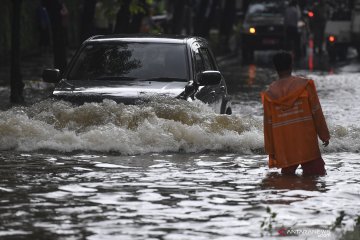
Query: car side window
[(199, 63), (208, 63), (203, 60)]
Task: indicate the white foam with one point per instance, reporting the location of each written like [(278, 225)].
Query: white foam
[(169, 125), (166, 126), (340, 96), (108, 165), (2, 189), (76, 188)]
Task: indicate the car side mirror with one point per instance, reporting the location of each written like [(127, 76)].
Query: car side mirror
[(209, 78), (51, 75)]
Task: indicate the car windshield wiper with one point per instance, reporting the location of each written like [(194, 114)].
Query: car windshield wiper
[(65, 82), (114, 78), (164, 79)]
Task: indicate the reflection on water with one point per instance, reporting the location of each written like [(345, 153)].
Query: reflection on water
[(275, 180), (251, 74), (167, 196), (311, 55)]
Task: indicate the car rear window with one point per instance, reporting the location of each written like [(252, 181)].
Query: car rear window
[(130, 61)]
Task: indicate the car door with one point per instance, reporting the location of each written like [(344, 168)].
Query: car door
[(212, 94)]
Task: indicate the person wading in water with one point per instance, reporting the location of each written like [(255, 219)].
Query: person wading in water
[(293, 120)]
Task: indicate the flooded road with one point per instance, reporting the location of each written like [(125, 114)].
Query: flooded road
[(176, 170), (168, 196)]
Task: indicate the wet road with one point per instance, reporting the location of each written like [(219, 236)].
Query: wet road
[(169, 196), (157, 173)]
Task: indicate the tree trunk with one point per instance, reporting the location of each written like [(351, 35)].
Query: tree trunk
[(228, 17), (178, 16), (210, 18), (200, 10), (227, 23), (16, 84), (123, 18), (204, 17), (54, 8), (87, 20)]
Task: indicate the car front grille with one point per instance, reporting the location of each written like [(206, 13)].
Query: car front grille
[(276, 30)]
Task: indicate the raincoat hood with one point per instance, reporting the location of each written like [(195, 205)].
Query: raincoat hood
[(285, 92)]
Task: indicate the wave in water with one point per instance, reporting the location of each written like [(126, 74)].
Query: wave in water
[(166, 125)]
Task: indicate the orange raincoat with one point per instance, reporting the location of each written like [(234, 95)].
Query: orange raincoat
[(293, 119)]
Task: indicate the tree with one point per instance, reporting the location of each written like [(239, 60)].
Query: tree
[(16, 84), (57, 13), (177, 9), (127, 14), (123, 17), (227, 23), (130, 15), (87, 19), (204, 17)]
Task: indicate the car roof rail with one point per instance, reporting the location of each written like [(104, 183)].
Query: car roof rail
[(92, 37)]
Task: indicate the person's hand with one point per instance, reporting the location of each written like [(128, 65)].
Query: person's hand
[(325, 143)]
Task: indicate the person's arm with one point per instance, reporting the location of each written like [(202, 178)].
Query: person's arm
[(318, 116)]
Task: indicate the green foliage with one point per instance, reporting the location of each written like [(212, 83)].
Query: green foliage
[(357, 221), (111, 7), (30, 22), (352, 235), (267, 224), (28, 26), (347, 235), (137, 7), (338, 221)]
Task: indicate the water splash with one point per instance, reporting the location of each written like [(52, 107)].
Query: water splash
[(165, 125)]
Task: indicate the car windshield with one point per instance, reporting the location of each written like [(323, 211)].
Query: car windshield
[(265, 7), (130, 61)]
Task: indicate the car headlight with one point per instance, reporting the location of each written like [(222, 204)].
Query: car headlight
[(252, 30)]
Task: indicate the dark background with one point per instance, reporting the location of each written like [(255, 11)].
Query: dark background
[(37, 34)]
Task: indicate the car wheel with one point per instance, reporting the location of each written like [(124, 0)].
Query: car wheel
[(228, 111), (226, 107)]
